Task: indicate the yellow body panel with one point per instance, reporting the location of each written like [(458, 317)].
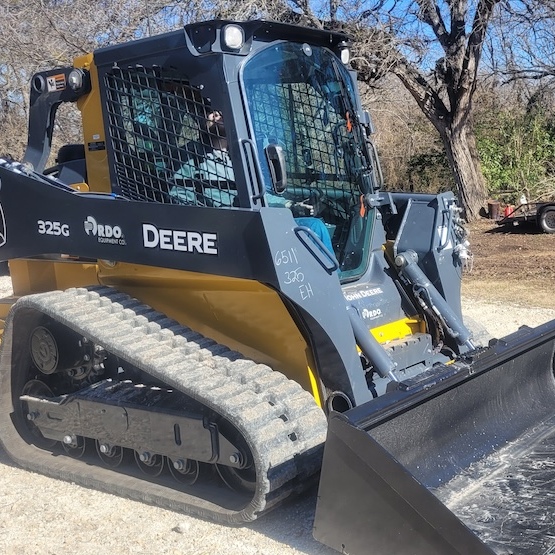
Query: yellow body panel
[(39, 275), (399, 329), (5, 305), (244, 315), (94, 135)]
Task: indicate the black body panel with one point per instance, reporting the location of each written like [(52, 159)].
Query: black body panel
[(234, 243)]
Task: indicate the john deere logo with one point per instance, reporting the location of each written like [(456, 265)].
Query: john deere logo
[(103, 232)]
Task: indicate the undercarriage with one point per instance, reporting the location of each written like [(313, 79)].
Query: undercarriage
[(109, 393)]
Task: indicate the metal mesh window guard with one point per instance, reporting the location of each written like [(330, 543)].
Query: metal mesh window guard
[(296, 117), (166, 145)]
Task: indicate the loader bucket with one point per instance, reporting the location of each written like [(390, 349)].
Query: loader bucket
[(460, 463)]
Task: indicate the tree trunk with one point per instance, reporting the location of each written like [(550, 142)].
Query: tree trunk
[(460, 146)]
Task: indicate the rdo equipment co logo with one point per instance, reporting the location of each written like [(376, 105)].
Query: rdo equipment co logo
[(104, 233)]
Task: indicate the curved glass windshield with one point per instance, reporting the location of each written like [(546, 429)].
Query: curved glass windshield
[(301, 100)]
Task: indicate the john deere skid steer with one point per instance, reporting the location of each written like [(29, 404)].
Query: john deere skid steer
[(214, 279)]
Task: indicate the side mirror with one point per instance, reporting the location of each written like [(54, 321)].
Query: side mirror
[(278, 173)]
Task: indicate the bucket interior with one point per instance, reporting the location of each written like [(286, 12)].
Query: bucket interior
[(486, 449)]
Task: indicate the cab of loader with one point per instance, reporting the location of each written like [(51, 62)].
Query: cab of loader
[(295, 131)]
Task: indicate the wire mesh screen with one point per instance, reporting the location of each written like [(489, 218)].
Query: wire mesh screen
[(169, 146), (300, 120)]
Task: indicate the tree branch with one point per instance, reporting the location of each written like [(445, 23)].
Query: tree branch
[(475, 42), (429, 14)]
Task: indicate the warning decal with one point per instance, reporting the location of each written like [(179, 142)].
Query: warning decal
[(56, 82)]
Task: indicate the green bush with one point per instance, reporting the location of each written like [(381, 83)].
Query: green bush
[(517, 154)]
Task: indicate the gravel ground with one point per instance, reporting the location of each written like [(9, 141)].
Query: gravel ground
[(39, 515)]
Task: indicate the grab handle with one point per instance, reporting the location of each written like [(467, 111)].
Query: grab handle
[(316, 248)]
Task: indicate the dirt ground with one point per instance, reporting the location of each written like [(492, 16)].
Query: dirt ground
[(514, 265)]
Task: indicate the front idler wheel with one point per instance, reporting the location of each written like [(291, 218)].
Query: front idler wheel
[(238, 479)]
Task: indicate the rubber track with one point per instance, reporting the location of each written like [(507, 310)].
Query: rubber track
[(280, 422)]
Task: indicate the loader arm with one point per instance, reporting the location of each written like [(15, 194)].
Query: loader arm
[(49, 89)]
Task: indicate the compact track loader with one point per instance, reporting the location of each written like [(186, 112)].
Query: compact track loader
[(215, 279)]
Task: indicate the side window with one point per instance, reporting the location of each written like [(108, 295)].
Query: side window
[(166, 144)]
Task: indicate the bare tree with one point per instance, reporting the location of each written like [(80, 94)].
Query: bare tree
[(444, 92), (43, 34), (432, 46), (523, 37)]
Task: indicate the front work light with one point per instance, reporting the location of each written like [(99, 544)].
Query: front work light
[(345, 54), (234, 37)]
